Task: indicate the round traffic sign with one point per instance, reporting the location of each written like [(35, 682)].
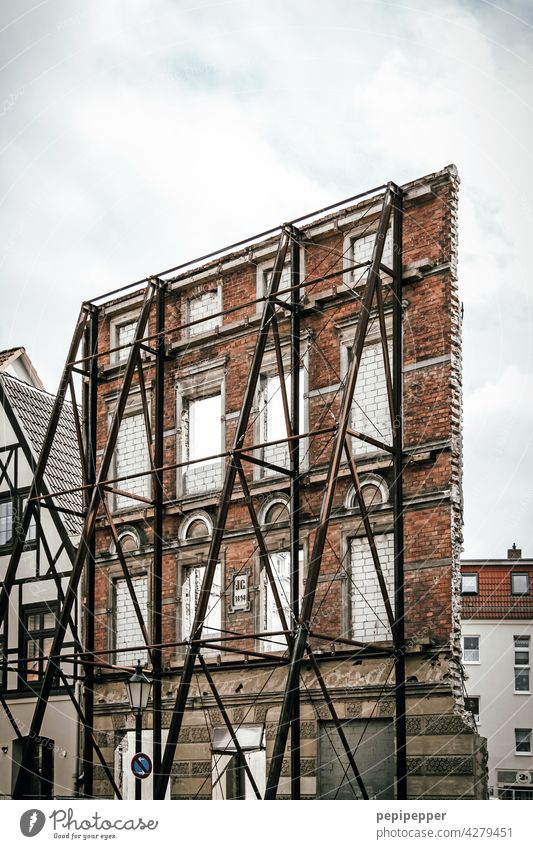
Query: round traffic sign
[(141, 765)]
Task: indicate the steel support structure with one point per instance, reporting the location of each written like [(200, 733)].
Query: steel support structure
[(99, 483)]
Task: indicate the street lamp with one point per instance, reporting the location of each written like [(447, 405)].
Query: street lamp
[(139, 687)]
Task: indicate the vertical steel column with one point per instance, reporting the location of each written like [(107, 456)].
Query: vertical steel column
[(399, 629), (138, 748), (157, 576), (90, 403), (295, 500)]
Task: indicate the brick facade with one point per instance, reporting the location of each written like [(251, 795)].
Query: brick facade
[(217, 359)]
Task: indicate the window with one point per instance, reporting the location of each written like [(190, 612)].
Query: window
[(201, 307), (38, 630), (522, 737), (229, 777), (121, 335), (272, 418), (472, 706), (471, 649), (368, 618), (131, 457), (519, 794), (6, 521), (357, 248), (370, 413), (11, 511), (521, 664), (280, 563), (469, 584), (202, 438), (520, 583), (190, 592), (125, 334), (127, 628), (264, 276)]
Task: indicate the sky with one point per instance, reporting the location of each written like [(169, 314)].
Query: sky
[(136, 135)]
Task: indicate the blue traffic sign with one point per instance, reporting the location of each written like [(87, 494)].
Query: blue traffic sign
[(141, 765)]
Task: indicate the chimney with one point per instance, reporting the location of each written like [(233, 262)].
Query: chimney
[(514, 553)]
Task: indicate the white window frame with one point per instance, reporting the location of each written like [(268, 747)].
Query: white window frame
[(357, 277), (255, 759), (475, 576), (198, 330), (262, 270), (525, 575), (472, 637), (207, 383), (268, 614), (522, 667), (528, 731), (192, 573), (115, 324), (270, 372)]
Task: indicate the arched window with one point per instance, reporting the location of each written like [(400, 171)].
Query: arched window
[(275, 511), (196, 526), (374, 490)]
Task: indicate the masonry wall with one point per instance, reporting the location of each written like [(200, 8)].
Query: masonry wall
[(218, 358)]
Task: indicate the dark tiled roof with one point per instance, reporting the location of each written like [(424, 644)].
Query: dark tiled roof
[(7, 354), (33, 408)]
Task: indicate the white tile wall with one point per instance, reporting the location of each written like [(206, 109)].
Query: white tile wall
[(368, 617), (202, 306), (128, 631), (370, 410), (125, 335), (131, 455), (362, 251)]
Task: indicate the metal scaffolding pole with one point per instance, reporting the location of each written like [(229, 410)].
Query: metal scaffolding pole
[(295, 498), (157, 577), (90, 406), (399, 628)]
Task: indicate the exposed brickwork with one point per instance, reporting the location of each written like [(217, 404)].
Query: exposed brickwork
[(432, 432)]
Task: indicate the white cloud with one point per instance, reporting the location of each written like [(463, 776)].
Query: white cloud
[(137, 135)]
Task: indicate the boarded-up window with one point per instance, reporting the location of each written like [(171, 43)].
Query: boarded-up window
[(372, 745), (127, 627), (369, 620)]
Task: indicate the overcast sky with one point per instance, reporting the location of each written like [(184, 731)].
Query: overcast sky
[(136, 135)]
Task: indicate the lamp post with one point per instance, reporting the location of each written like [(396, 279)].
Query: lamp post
[(139, 687)]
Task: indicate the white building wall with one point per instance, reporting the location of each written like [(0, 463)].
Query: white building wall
[(492, 679), (60, 722)]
